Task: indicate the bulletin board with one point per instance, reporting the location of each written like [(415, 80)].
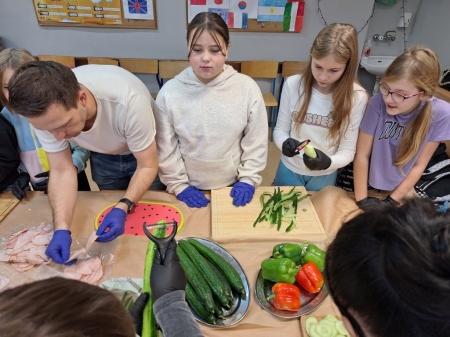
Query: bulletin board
[(253, 15), (96, 13)]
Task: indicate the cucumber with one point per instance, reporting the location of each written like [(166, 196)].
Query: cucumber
[(197, 305), (218, 311), (196, 280), (224, 281), (310, 152), (228, 271), (213, 281), (148, 317), (310, 321)]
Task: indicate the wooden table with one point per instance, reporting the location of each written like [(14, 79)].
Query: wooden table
[(331, 205)]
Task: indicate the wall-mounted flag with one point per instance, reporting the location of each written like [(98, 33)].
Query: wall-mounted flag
[(237, 20), (294, 13), (271, 10)]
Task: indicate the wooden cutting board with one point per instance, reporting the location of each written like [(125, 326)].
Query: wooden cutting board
[(6, 205), (231, 223)]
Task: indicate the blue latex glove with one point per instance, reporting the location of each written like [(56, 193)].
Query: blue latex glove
[(115, 221), (193, 197), (242, 193), (59, 247)]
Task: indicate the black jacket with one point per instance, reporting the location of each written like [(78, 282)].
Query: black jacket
[(9, 154)]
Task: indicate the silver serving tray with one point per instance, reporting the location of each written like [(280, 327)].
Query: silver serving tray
[(241, 302), (309, 302)]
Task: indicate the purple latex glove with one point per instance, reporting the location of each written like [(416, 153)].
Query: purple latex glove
[(59, 247), (242, 193), (115, 222), (193, 197)]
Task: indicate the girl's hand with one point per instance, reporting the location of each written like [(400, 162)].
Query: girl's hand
[(321, 162), (289, 147)]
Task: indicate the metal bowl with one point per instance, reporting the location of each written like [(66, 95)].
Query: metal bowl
[(241, 302), (309, 302)]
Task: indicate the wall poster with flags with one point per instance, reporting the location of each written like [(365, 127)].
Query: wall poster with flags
[(253, 15)]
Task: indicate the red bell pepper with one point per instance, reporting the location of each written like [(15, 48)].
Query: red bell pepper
[(310, 277), (285, 297)]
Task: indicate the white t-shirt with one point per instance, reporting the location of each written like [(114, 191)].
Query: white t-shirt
[(316, 126), (124, 121)]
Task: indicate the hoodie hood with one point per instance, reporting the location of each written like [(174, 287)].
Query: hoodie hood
[(187, 76)]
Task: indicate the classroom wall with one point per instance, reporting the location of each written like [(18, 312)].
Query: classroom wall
[(19, 28)]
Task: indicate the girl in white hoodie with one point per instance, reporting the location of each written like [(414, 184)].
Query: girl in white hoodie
[(211, 126)]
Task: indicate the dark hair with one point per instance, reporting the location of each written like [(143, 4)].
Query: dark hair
[(212, 23), (391, 270), (64, 308), (38, 84)]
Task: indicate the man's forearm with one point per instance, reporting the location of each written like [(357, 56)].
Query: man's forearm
[(139, 184), (62, 193)]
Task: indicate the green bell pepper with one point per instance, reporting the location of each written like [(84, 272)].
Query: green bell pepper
[(315, 255), (279, 270), (291, 251)]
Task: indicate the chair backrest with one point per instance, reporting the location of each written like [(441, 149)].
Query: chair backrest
[(260, 69), (102, 60), (290, 68), (68, 61), (171, 68), (142, 66)]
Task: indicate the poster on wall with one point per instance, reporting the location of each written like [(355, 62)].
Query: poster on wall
[(138, 9), (79, 11), (96, 13), (286, 15)]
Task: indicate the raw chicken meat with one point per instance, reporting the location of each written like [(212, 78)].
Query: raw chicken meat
[(86, 269), (26, 248), (89, 270), (3, 281)]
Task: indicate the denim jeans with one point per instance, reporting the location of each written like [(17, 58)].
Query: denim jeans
[(285, 177), (114, 172)]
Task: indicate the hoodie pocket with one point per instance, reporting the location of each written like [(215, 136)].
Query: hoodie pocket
[(210, 174)]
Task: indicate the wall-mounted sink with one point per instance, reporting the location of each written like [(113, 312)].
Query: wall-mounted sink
[(377, 65)]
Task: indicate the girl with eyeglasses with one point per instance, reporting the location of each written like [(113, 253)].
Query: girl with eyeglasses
[(401, 128), (388, 272)]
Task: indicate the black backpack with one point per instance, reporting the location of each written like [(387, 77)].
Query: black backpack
[(435, 181)]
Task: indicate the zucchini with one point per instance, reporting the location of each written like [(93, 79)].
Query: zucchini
[(148, 317), (197, 305), (222, 279), (227, 269), (196, 280), (213, 281)]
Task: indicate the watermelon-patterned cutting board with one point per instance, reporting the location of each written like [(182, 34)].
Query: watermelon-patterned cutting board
[(149, 212)]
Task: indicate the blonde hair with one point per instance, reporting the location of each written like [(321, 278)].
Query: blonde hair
[(12, 58), (341, 41), (419, 65)]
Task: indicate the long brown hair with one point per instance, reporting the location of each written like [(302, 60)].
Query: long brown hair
[(341, 41), (12, 58), (419, 65), (62, 307), (212, 23)]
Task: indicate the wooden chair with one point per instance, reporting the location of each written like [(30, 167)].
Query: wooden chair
[(141, 66), (102, 60), (169, 69), (68, 61), (264, 70)]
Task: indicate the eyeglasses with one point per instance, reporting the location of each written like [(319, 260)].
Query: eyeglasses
[(396, 96)]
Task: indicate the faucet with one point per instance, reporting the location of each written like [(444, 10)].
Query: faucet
[(390, 35)]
